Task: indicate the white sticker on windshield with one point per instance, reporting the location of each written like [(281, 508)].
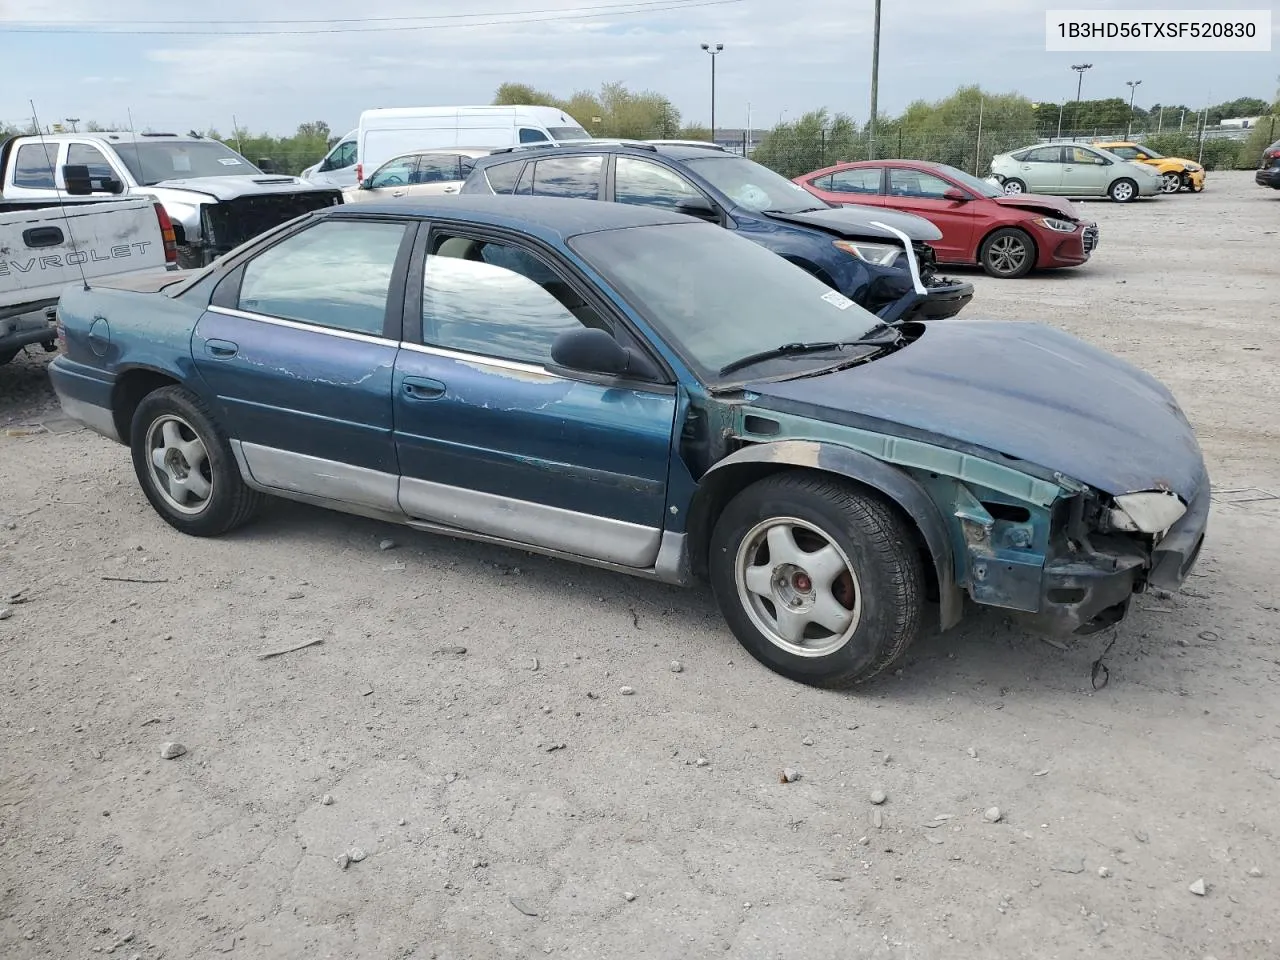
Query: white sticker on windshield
[(229, 161), (838, 299)]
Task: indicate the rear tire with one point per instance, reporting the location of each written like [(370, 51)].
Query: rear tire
[(1013, 186), (1123, 190), (185, 466), (1008, 253), (818, 580)]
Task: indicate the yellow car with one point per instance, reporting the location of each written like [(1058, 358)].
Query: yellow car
[(1178, 174)]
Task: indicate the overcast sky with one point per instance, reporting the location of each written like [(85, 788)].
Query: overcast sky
[(780, 57)]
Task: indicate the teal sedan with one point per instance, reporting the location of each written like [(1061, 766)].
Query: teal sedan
[(1074, 170)]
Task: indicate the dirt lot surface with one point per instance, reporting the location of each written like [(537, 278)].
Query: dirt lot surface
[(509, 801)]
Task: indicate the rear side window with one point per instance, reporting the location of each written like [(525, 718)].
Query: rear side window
[(33, 166), (861, 180), (502, 176), (532, 136), (1043, 155), (568, 177), (336, 274)]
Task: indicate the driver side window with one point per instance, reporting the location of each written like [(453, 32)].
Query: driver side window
[(396, 173), (1080, 155), (648, 184), (498, 300)]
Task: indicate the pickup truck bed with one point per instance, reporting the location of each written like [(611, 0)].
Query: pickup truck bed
[(45, 245)]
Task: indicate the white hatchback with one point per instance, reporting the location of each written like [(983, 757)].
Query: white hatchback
[(424, 173)]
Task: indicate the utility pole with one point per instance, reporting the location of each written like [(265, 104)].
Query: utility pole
[(1133, 88), (1079, 68), (73, 121), (875, 85), (714, 50)]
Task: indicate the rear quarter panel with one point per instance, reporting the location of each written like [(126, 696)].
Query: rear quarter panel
[(111, 332)]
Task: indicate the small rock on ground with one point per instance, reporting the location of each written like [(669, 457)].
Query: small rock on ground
[(1104, 872), (807, 741), (5, 613), (628, 896), (356, 854), (1198, 887), (993, 815), (790, 776), (878, 797), (171, 751), (1255, 871), (701, 762), (627, 691), (677, 666), (388, 544), (326, 799), (342, 860)]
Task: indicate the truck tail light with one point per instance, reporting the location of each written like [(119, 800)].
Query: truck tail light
[(166, 232)]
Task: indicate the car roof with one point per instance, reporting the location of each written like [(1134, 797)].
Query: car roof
[(633, 148), (551, 218), (124, 136)]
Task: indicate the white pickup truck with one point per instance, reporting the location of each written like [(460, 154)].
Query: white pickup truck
[(47, 244), (216, 198)]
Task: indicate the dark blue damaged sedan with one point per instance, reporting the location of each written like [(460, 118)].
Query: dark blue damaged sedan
[(649, 393)]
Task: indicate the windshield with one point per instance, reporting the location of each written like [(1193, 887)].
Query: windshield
[(152, 163), (752, 186), (568, 133), (716, 297), (980, 187)]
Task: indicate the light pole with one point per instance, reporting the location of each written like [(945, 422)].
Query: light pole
[(875, 85), (1133, 88), (73, 121), (714, 50), (1079, 68)]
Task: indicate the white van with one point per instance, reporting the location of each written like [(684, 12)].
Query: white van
[(338, 168), (388, 133)]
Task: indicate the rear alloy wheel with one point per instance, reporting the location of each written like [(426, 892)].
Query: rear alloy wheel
[(1123, 191), (819, 581), (1008, 253), (185, 466), (1013, 186), (1171, 183)]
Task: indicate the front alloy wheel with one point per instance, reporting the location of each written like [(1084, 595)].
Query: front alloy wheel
[(1123, 191), (1008, 253), (1171, 183), (819, 580)]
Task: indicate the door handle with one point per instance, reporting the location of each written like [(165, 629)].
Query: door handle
[(221, 349), (450, 189), (423, 388), (397, 193)]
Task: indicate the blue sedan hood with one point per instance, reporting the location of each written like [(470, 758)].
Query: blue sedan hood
[(1022, 391)]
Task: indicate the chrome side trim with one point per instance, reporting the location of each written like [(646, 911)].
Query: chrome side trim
[(526, 523), (283, 471), (96, 418), (480, 359), (298, 325)]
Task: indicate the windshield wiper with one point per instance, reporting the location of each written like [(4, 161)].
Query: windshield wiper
[(802, 210), (785, 350)]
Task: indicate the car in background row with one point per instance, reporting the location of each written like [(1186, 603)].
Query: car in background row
[(1007, 235), (1074, 170), (627, 387), (857, 250), (215, 198), (427, 173), (1268, 174), (338, 167), (1177, 173)]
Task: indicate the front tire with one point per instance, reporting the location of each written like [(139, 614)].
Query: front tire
[(818, 580), (1008, 253), (184, 464), (1172, 183), (1013, 187), (1123, 190)]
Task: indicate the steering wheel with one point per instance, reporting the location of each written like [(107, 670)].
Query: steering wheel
[(392, 180)]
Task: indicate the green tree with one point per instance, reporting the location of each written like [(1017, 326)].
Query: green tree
[(612, 111)]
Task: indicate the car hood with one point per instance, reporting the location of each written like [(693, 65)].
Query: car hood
[(1019, 392), (854, 220), (229, 188), (1039, 203)]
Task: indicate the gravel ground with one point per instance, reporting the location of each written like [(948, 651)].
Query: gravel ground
[(510, 800)]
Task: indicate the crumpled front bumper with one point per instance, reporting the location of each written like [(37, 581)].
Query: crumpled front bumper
[(1088, 592)]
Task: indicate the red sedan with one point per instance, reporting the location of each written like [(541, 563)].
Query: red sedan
[(1007, 235)]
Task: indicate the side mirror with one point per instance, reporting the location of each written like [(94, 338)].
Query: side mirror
[(699, 208), (267, 165), (76, 177), (955, 195), (366, 183), (591, 350)]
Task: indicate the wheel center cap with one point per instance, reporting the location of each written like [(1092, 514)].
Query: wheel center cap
[(802, 582)]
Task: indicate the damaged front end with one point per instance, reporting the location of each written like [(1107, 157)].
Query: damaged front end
[(1074, 565), (227, 224)]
